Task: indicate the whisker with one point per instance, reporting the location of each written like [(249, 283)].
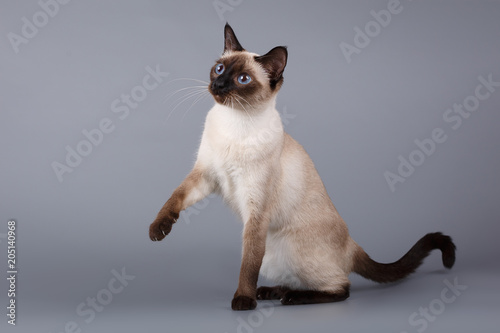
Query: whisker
[(202, 95), (237, 97), (242, 98), (188, 79), (183, 99), (170, 95), (195, 91), (187, 96)]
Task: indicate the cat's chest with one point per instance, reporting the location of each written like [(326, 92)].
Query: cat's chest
[(236, 163), (237, 176), (241, 153), (233, 145)]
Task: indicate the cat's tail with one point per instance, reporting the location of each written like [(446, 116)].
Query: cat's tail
[(383, 273)]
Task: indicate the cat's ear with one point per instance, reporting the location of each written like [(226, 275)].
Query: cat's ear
[(230, 41), (274, 63)]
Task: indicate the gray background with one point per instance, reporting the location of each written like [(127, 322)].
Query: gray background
[(354, 119)]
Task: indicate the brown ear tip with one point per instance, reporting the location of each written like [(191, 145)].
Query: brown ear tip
[(283, 49), (231, 43), (228, 30)]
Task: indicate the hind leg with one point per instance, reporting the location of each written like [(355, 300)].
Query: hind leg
[(295, 297)]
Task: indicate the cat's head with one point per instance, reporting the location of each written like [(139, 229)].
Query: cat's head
[(245, 80)]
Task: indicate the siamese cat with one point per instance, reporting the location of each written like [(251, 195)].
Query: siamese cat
[(292, 233)]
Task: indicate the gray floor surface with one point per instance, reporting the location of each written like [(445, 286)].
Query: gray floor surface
[(460, 300)]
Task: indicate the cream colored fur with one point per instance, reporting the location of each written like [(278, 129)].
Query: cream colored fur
[(248, 159)]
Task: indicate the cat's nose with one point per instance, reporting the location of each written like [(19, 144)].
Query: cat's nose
[(218, 87)]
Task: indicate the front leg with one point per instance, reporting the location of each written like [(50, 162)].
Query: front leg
[(254, 246), (195, 187)]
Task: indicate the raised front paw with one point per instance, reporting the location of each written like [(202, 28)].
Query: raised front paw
[(161, 227), (240, 303)]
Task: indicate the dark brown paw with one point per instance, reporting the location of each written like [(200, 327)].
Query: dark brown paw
[(291, 297), (268, 293), (161, 227), (295, 297), (241, 303)]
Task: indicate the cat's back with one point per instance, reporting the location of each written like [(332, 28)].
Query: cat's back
[(301, 191)]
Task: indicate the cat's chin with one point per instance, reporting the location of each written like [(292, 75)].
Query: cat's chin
[(219, 99), (224, 101)]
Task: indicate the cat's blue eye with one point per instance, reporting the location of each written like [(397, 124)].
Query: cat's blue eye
[(244, 79), (219, 69)]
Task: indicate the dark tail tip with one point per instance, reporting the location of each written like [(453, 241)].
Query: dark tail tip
[(446, 245), (378, 272)]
